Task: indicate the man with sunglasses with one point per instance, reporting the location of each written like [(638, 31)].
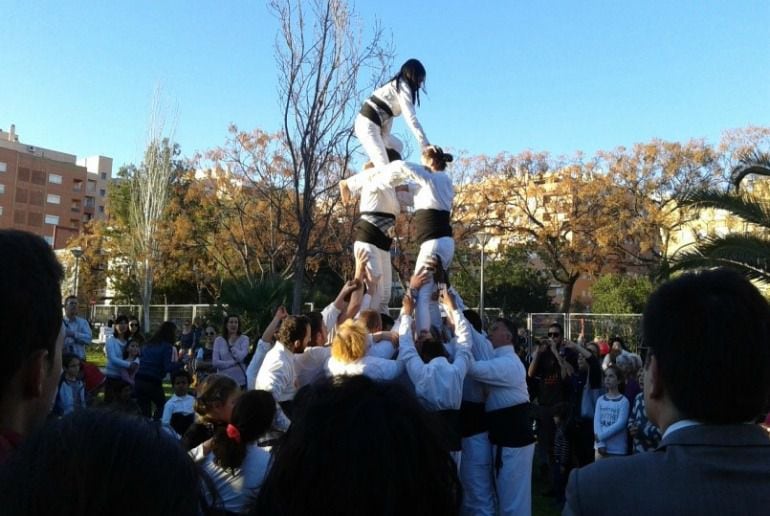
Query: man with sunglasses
[(552, 364)]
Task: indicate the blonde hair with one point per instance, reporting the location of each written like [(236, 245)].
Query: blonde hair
[(349, 343)]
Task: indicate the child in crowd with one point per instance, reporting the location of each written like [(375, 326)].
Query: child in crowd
[(71, 395), (179, 411), (130, 355), (203, 364), (214, 405), (610, 418), (646, 436)]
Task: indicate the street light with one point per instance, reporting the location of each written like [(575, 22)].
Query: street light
[(77, 253), (482, 238)]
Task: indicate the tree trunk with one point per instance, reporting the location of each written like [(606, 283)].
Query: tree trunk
[(299, 282), (566, 302)]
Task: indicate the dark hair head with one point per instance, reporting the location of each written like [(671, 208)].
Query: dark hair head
[(413, 74), (124, 320), (225, 332), (437, 157), (474, 319), (386, 322), (710, 335), (252, 415), (66, 299), (215, 388), (620, 340), (557, 325), (30, 309), (166, 334), (292, 329), (180, 373), (316, 320), (371, 320), (432, 348), (510, 326), (71, 467), (389, 462), (67, 359)]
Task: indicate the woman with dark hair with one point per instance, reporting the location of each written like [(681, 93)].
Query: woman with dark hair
[(115, 362), (80, 465), (357, 446), (375, 120), (214, 404), (230, 350), (236, 463), (135, 330), (153, 367), (433, 199)]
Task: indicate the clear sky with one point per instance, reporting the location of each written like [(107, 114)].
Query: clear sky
[(503, 75)]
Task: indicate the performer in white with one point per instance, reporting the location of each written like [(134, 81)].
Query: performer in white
[(350, 355), (507, 414), (438, 382), (433, 199), (375, 228), (375, 120)]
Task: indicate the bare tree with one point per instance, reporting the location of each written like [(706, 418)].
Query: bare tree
[(149, 191), (321, 62)]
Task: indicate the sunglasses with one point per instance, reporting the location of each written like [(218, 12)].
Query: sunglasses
[(554, 334)]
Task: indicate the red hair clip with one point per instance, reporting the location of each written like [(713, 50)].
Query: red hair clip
[(233, 433)]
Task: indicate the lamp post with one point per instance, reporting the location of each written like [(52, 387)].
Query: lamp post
[(482, 238), (77, 253)]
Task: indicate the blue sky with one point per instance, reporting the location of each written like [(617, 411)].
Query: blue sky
[(503, 75)]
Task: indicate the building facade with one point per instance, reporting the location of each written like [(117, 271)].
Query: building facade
[(50, 193)]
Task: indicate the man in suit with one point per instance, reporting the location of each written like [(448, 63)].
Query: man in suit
[(707, 379)]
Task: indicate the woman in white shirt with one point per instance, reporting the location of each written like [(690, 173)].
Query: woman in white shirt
[(375, 120)]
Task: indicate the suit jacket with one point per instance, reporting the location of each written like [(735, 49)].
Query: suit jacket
[(706, 469)]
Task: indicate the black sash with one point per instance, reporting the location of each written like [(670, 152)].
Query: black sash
[(472, 418), (287, 407), (450, 428), (431, 224), (369, 112), (510, 426), (364, 231)]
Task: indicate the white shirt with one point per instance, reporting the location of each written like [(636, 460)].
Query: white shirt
[(400, 102), (381, 349), (374, 367), (177, 405), (277, 374), (505, 376), (481, 349), (434, 189), (238, 489), (376, 191), (309, 365), (256, 363), (439, 383)]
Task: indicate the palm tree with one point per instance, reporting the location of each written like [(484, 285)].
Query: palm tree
[(746, 252)]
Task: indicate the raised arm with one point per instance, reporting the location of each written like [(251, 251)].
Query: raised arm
[(410, 115)]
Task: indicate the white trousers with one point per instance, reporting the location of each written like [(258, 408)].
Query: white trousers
[(514, 480), (375, 139), (380, 267), (476, 476), (427, 311)]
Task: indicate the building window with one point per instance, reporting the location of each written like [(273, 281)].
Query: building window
[(102, 192), (22, 195), (101, 209), (34, 219), (53, 199), (19, 217), (2, 188), (1, 210), (104, 175), (49, 240), (3, 166), (77, 185), (36, 197), (38, 177), (52, 219), (54, 178), (91, 187), (23, 174)]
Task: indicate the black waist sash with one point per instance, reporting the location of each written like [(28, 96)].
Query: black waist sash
[(510, 426), (287, 407), (450, 428), (374, 114), (472, 418), (365, 231), (431, 224)]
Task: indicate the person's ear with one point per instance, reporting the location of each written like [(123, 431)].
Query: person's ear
[(35, 370), (653, 378)]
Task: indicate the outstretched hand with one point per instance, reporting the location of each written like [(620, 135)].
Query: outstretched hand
[(418, 280), (407, 304)]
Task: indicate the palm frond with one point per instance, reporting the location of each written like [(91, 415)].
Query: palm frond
[(749, 254), (753, 162), (741, 205)]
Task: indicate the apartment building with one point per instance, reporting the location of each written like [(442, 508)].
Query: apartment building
[(50, 193)]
